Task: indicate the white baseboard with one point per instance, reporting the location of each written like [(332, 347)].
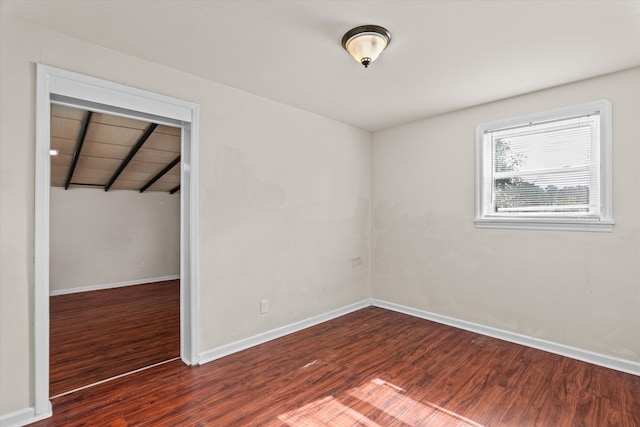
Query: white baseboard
[(27, 416), (606, 361), (23, 417), (112, 285), (618, 364), (243, 344)]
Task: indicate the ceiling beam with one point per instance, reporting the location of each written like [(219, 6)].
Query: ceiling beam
[(174, 189), (79, 143), (160, 174), (88, 185), (147, 133)]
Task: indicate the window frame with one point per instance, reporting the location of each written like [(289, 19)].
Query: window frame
[(603, 222)]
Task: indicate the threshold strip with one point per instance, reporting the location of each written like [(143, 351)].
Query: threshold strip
[(115, 378)]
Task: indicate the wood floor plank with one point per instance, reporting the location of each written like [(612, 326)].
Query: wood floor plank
[(101, 334), (372, 367)]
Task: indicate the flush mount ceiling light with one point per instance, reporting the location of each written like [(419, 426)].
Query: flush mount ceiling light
[(365, 43)]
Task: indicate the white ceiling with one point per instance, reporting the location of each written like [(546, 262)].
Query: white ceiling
[(444, 55)]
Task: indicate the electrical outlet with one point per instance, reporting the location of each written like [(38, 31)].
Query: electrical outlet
[(264, 306), (355, 262), (142, 265)]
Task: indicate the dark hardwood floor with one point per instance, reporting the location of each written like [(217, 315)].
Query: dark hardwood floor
[(101, 334), (373, 367)]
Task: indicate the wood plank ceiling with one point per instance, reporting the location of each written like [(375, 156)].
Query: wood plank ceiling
[(108, 152)]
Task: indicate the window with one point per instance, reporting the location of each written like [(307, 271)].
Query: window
[(550, 170)]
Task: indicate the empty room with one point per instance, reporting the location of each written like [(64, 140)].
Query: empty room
[(379, 213)]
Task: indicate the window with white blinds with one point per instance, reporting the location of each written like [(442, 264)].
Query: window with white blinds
[(546, 170)]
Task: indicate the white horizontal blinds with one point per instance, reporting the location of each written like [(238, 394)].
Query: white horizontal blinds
[(549, 168)]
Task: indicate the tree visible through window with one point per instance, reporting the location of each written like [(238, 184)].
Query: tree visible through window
[(515, 193)]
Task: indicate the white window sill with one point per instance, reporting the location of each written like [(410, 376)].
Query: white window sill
[(545, 224)]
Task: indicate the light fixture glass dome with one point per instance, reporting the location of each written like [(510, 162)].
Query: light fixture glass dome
[(365, 43)]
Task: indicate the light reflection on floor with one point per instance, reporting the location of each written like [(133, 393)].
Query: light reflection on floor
[(374, 396)]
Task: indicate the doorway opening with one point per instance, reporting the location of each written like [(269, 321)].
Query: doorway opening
[(114, 247), (60, 87)]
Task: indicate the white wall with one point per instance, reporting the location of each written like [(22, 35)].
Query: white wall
[(580, 289), (283, 205), (100, 238)]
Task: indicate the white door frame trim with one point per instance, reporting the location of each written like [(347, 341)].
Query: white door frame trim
[(68, 88)]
